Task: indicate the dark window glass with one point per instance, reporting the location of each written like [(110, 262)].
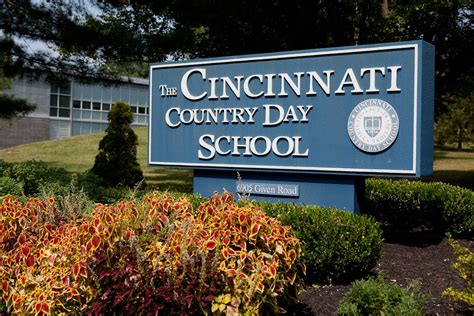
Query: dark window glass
[(141, 110), (64, 102), (53, 101), (96, 105), (134, 109), (105, 107), (76, 104), (53, 112), (54, 87), (147, 111), (65, 87), (86, 104), (63, 112)]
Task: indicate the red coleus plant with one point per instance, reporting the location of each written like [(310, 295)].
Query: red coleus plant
[(146, 257), (42, 265)]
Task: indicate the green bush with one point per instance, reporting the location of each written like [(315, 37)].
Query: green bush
[(404, 206), (34, 177), (94, 188), (10, 186), (337, 245), (374, 296)]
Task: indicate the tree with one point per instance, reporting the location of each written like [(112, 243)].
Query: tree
[(10, 107), (457, 124), (119, 37), (116, 163), (447, 24)]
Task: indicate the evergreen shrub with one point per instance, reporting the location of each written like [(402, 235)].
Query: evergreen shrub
[(404, 206), (337, 245), (116, 163)]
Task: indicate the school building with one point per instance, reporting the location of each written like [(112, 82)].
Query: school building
[(67, 107)]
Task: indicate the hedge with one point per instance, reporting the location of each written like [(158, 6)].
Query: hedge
[(404, 206), (337, 245)]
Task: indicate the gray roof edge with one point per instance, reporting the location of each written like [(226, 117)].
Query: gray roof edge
[(134, 80)]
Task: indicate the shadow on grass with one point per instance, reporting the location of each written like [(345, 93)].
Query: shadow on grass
[(462, 178), (466, 148), (173, 180)]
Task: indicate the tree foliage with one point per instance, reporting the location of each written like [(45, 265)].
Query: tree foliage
[(10, 107), (115, 37), (457, 124), (116, 163)]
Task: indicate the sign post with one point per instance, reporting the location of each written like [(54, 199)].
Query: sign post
[(302, 126)]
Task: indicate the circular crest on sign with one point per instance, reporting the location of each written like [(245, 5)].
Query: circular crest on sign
[(373, 125)]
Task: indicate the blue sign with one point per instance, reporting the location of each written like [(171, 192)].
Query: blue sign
[(362, 110)]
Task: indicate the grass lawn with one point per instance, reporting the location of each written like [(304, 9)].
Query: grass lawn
[(452, 166), (76, 154)]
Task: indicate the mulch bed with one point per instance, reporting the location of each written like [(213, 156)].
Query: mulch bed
[(403, 259)]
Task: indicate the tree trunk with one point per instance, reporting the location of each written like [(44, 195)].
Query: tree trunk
[(460, 139), (385, 8)]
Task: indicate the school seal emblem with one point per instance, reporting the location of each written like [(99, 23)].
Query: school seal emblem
[(373, 125)]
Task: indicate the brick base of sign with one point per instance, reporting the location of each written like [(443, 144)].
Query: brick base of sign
[(343, 192)]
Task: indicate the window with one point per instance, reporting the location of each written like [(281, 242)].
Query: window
[(115, 94), (92, 102), (133, 96), (142, 97), (125, 94), (64, 101), (60, 99)]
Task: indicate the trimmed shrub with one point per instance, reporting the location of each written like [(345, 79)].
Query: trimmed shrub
[(116, 163), (404, 206), (374, 296), (337, 245), (158, 255)]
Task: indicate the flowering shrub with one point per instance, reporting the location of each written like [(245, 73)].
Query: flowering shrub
[(146, 257)]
